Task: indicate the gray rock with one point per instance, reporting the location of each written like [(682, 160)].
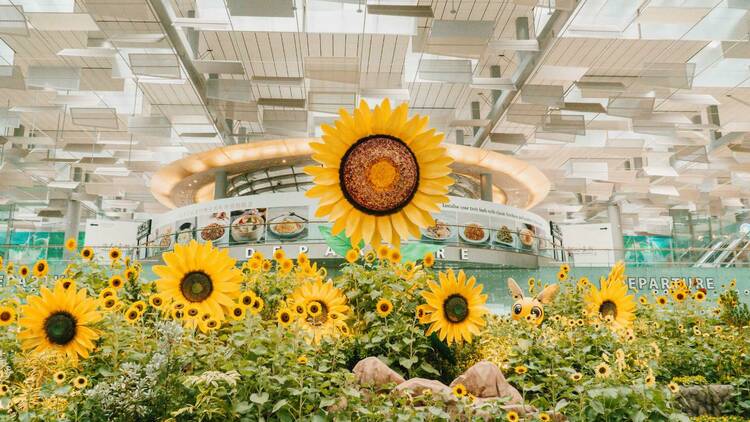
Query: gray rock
[(697, 400), (485, 380), (419, 386), (372, 372)]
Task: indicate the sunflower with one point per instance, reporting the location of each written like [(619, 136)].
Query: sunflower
[(71, 244), (266, 266), (87, 253), (643, 300), (59, 377), (370, 257), (428, 260), (699, 296), (192, 310), (210, 324), (423, 313), (650, 380), (331, 313), (130, 273), (257, 306), (565, 268), (279, 254), (67, 283), (512, 416), (679, 295), (140, 306), (23, 271), (156, 300), (201, 275), (459, 390), (352, 255), (238, 312), (521, 369), (1, 262), (544, 417), (384, 307), (673, 387), (41, 268), (394, 255), (302, 360), (576, 376), (661, 300), (116, 281), (602, 370), (383, 252), (562, 276), (80, 382), (7, 315), (286, 266), (4, 389), (456, 307), (132, 315), (107, 292), (115, 254), (285, 317), (612, 300), (110, 303), (59, 320), (302, 259), (246, 298), (381, 176)]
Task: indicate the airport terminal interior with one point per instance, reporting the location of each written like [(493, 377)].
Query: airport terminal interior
[(336, 210)]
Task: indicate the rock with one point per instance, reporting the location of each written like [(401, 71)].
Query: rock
[(697, 400), (418, 387), (372, 372), (485, 380)]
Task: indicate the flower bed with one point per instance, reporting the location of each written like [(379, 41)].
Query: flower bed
[(386, 339)]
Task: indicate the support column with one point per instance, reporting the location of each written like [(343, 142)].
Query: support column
[(485, 186), (72, 223), (475, 114), (220, 184), (495, 73), (9, 229), (615, 221), (459, 136)]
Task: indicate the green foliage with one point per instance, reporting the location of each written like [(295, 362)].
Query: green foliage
[(732, 311)]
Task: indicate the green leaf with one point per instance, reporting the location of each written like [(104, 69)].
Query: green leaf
[(242, 407), (279, 404), (429, 368), (417, 250), (407, 362), (259, 398), (339, 243), (561, 405), (327, 402)]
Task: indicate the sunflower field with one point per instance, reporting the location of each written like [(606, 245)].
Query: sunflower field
[(276, 338)]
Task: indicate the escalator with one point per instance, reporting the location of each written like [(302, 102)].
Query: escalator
[(725, 252)]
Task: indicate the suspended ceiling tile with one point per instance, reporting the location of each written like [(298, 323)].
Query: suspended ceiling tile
[(441, 70), (54, 77), (156, 65), (13, 21), (105, 118), (62, 22), (229, 90), (632, 107), (261, 8), (219, 67), (422, 11)]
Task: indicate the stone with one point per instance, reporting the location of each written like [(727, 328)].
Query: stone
[(372, 372), (486, 380), (419, 386), (697, 400)]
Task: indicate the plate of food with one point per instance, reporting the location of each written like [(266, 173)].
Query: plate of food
[(474, 233), (165, 239), (247, 227), (185, 233), (440, 231), (527, 238), (287, 225), (504, 236), (216, 229)]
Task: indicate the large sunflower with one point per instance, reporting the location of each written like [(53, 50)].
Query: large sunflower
[(612, 299), (381, 176), (455, 307), (200, 275), (324, 305), (60, 320)]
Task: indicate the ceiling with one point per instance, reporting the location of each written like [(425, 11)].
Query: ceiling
[(643, 103)]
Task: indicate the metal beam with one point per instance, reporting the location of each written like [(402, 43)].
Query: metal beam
[(184, 54), (526, 67)]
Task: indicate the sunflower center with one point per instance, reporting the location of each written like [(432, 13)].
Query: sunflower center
[(60, 328), (379, 174), (5, 316), (382, 174), (285, 317), (384, 307), (321, 311), (456, 308), (608, 308), (196, 286)]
